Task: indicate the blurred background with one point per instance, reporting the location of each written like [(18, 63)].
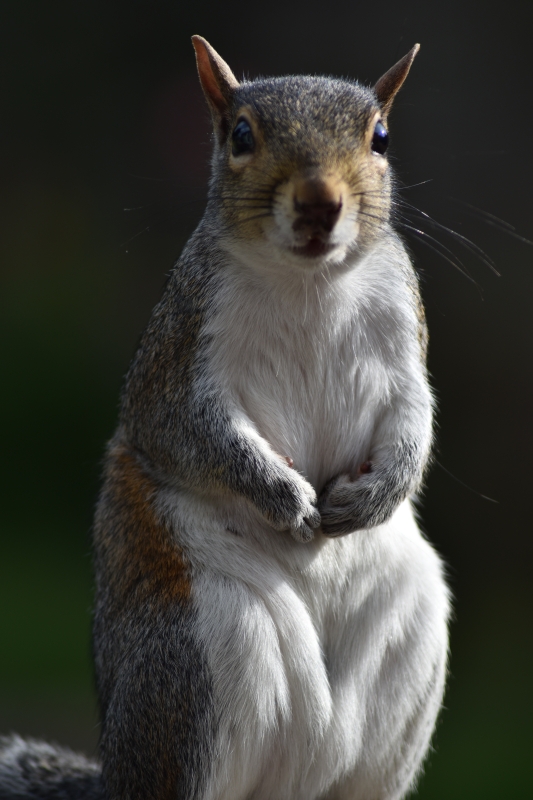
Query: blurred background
[(105, 146)]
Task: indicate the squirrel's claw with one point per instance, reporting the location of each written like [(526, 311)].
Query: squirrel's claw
[(305, 531)]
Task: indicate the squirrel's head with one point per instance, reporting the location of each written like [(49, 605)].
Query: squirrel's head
[(299, 168)]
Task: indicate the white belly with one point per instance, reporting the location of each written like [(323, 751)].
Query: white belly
[(321, 654)]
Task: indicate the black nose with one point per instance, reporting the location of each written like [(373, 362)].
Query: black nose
[(319, 216)]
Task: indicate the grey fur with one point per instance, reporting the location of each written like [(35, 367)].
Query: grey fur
[(32, 770), (348, 505), (158, 713)]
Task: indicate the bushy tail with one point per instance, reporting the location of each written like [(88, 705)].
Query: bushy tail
[(31, 770)]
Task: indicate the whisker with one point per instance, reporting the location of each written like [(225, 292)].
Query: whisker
[(236, 198), (370, 207), (365, 192), (467, 243), (462, 483), (329, 276), (440, 244), (248, 203), (455, 263), (255, 216), (244, 206), (135, 236), (252, 201), (364, 213), (161, 213), (492, 219), (413, 185), (318, 298), (250, 196)]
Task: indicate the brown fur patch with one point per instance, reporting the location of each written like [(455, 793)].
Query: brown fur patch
[(143, 562), (422, 328)]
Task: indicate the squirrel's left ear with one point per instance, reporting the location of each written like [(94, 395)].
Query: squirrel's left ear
[(390, 84), (218, 83)]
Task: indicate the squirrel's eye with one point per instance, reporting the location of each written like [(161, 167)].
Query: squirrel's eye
[(380, 138), (242, 138)]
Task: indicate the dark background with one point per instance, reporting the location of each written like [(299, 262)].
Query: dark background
[(101, 113)]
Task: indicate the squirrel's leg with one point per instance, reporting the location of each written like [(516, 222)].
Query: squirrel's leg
[(158, 724), (392, 775), (405, 616), (393, 470), (152, 674)]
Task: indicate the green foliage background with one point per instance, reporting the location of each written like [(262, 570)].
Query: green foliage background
[(101, 113)]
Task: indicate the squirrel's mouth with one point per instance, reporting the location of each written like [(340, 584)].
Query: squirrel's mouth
[(313, 248)]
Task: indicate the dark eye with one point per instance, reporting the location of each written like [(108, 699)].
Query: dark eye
[(242, 138), (380, 139)]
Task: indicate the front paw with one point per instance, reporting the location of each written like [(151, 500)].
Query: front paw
[(294, 507), (349, 504)]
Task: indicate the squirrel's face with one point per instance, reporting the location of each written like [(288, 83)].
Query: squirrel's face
[(301, 172), (300, 175)]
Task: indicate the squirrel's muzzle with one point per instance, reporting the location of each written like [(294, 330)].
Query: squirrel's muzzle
[(317, 204)]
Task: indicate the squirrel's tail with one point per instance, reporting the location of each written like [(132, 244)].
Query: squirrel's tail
[(31, 770)]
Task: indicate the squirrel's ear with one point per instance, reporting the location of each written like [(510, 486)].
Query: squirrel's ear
[(218, 82), (390, 84)]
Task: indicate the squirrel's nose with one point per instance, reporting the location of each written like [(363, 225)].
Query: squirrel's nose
[(317, 203)]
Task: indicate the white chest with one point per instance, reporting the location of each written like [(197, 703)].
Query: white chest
[(309, 365)]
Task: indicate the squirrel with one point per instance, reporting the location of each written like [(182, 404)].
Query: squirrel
[(269, 621)]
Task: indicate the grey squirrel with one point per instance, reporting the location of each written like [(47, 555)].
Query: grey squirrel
[(269, 622)]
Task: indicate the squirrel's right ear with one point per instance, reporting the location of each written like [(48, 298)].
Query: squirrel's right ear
[(218, 83), (390, 84)]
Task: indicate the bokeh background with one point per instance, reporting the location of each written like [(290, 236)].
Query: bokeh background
[(105, 146)]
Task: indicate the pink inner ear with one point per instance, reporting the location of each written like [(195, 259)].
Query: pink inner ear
[(208, 79)]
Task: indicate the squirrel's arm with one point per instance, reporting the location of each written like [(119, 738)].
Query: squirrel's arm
[(224, 451), (393, 471), (183, 422), (400, 443)]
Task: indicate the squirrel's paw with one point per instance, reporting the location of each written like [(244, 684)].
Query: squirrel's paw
[(348, 504), (295, 508)]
